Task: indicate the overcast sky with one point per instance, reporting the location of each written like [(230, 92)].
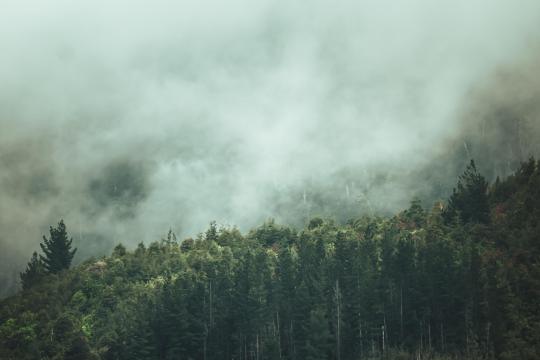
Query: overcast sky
[(127, 118)]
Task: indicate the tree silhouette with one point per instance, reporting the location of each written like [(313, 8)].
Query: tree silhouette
[(57, 249), (33, 273), (469, 201)]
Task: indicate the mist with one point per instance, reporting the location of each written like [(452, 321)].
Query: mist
[(128, 119)]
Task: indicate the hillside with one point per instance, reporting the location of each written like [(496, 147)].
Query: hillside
[(455, 280)]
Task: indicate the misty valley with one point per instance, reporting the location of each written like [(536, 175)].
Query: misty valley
[(458, 279)]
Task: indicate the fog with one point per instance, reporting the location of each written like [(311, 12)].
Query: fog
[(126, 119)]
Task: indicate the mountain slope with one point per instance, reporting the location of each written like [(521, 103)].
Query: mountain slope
[(418, 284)]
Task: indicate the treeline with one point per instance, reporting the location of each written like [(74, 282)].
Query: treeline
[(457, 280)]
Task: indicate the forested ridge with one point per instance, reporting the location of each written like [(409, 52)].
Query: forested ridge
[(457, 279)]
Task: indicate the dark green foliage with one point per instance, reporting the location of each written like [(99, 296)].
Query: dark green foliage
[(171, 238), (460, 283), (119, 250), (186, 245), (212, 232), (270, 234), (140, 250), (315, 223), (79, 350), (469, 201), (34, 272), (57, 249), (318, 335)]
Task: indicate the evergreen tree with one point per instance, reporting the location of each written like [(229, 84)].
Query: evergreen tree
[(212, 232), (119, 250), (79, 350), (57, 249), (318, 335), (33, 273), (187, 244), (469, 201)]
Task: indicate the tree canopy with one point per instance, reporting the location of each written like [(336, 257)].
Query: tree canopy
[(419, 284)]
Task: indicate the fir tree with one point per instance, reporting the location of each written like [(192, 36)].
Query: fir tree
[(119, 250), (33, 273), (469, 201), (57, 249), (318, 338), (212, 232)]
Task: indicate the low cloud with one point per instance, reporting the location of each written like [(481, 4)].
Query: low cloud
[(127, 119)]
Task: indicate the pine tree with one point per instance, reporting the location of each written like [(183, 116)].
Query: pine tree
[(119, 251), (33, 273), (318, 337), (469, 201), (79, 350), (212, 232), (57, 249)]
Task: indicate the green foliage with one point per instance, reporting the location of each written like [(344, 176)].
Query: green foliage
[(469, 201), (119, 251), (318, 335), (315, 223), (57, 249), (187, 245), (34, 272), (18, 334), (403, 287)]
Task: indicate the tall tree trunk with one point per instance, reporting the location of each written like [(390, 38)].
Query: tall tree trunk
[(429, 335), (401, 313), (442, 337), (338, 314)]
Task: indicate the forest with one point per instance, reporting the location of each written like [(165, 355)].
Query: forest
[(458, 279)]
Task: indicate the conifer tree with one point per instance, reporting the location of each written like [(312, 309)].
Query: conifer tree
[(57, 249), (469, 201), (33, 273), (212, 232), (318, 337), (119, 250)]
